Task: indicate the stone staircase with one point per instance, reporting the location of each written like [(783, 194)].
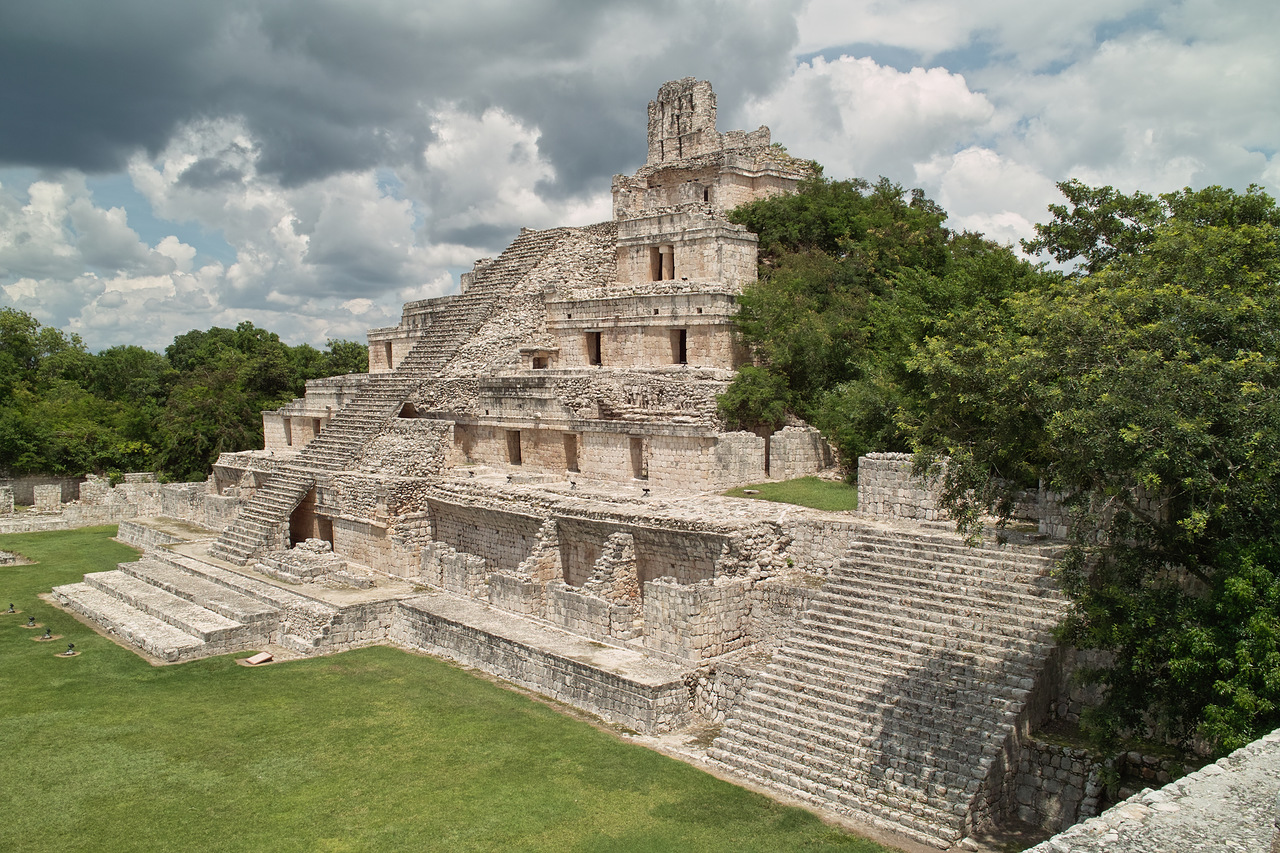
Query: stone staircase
[(897, 692), (262, 523), (176, 608)]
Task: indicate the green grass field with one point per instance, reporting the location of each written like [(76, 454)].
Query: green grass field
[(376, 749), (805, 491)]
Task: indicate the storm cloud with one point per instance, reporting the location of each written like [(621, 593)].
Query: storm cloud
[(311, 165)]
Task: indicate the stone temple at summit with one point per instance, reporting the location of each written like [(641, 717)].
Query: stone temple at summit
[(528, 480)]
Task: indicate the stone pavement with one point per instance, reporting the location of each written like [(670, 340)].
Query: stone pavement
[(1229, 806)]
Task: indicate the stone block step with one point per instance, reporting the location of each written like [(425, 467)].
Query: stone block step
[(214, 596), (956, 593), (840, 639), (901, 619), (874, 811), (962, 633), (861, 777), (152, 635), (187, 616)]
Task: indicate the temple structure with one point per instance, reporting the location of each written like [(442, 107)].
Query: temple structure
[(528, 481)]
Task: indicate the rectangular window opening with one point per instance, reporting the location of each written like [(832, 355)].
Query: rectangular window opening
[(679, 346), (639, 459), (570, 452), (593, 349), (539, 362)]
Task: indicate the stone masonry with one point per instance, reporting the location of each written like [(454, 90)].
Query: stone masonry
[(527, 481)]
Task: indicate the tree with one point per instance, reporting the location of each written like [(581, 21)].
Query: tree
[(1148, 390), (852, 275)]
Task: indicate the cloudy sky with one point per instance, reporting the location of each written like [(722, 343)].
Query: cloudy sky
[(168, 165)]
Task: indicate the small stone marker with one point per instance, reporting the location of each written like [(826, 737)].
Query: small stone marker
[(48, 634), (259, 658), (751, 491), (31, 621), (70, 652), (11, 610)]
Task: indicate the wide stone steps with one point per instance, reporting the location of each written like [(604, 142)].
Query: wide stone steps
[(934, 828), (856, 776), (909, 620), (848, 630), (914, 709), (152, 635), (961, 599), (929, 569), (192, 587), (902, 682), (817, 658), (187, 616)]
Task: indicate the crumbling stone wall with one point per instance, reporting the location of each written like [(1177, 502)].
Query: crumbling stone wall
[(6, 500), (503, 541), (798, 452), (887, 488), (691, 622), (47, 498)]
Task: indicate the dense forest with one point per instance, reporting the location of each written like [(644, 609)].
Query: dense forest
[(64, 410), (1141, 380)]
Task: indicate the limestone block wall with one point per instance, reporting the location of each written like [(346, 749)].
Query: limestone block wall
[(46, 498), (798, 452), (644, 707), (588, 615), (6, 500), (703, 248), (1058, 785), (388, 347), (641, 330), (739, 459), (23, 487), (776, 604), (454, 570), (503, 540), (95, 490), (516, 594), (691, 622), (688, 557), (356, 626), (816, 546), (714, 689), (886, 488), (145, 537), (361, 542)]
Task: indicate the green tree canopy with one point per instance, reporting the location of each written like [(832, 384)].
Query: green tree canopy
[(1146, 388)]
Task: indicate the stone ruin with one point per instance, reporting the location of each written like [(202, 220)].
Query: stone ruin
[(528, 479)]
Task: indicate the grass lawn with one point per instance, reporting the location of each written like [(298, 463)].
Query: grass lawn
[(805, 491), (375, 749)]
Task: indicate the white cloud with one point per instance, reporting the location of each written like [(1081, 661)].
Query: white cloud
[(858, 118)]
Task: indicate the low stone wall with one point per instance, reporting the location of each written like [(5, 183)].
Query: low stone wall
[(1057, 785), (587, 615), (815, 546), (358, 626), (693, 622), (6, 500), (23, 488), (646, 708), (887, 489), (46, 498), (456, 571), (714, 689), (798, 452), (144, 537)]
